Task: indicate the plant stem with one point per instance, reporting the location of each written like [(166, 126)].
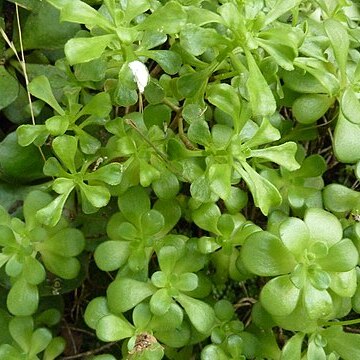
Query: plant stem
[(341, 323)]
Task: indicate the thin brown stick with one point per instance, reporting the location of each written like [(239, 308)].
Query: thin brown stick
[(90, 352), (23, 63)]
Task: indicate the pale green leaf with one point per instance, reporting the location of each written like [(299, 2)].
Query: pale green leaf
[(80, 50), (40, 88), (280, 296), (261, 98), (265, 255), (201, 315), (113, 328)]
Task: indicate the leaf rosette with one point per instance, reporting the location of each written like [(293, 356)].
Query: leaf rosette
[(28, 248), (312, 264)]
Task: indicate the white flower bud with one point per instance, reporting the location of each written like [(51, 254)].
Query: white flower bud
[(141, 74)]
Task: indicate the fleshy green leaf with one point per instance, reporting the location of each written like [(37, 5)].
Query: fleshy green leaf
[(57, 125), (318, 303), (9, 88), (109, 174), (65, 147), (200, 189), (187, 282), (23, 298), (196, 40), (52, 167), (39, 341), (67, 242), (99, 105), (151, 222), (133, 203), (65, 267), (220, 179), (265, 255), (95, 310), (82, 13), (167, 257), (201, 315), (342, 256), (265, 194), (40, 88), (323, 226), (169, 61), (51, 214), (292, 348), (311, 107), (261, 98), (113, 328), (207, 216), (295, 235), (28, 134), (280, 8), (339, 40), (350, 106), (226, 99), (170, 18), (135, 8), (345, 344), (125, 293), (111, 255), (265, 134), (283, 155), (316, 68), (34, 272), (21, 329), (80, 50), (339, 198), (160, 302), (344, 284), (55, 348), (199, 132), (346, 140), (98, 196)]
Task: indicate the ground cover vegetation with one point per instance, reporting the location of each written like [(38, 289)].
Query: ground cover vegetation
[(179, 179)]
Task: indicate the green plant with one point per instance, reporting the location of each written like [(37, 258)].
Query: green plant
[(181, 178)]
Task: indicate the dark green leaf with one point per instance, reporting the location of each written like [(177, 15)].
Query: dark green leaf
[(19, 164), (42, 28), (9, 88)]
